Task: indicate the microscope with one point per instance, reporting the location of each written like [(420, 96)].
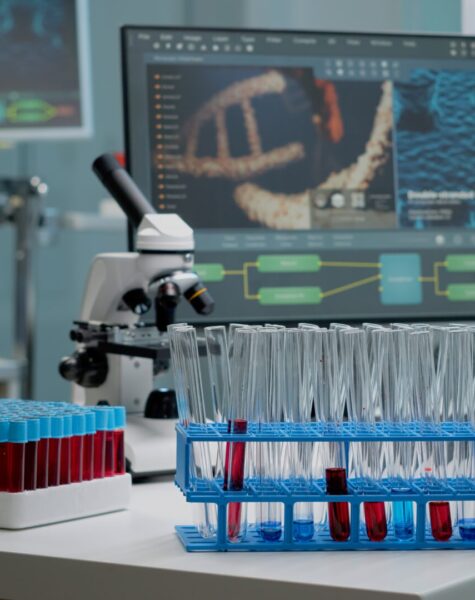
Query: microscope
[(118, 354)]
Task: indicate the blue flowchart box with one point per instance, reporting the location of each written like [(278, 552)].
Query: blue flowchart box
[(400, 279)]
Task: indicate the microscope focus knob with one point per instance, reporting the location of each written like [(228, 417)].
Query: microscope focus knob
[(87, 368), (138, 301)]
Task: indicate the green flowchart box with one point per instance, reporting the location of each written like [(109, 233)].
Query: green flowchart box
[(460, 263), (290, 295), (210, 271), (288, 263)]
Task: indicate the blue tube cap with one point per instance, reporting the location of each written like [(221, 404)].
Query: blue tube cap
[(68, 425), (45, 426), (33, 430), (4, 427), (57, 427), (79, 424), (101, 418), (17, 432), (110, 419), (91, 422), (119, 414)]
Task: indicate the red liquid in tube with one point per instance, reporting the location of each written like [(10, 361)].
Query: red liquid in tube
[(65, 461), (99, 454), (3, 466), (338, 512), (42, 468), (76, 458), (119, 466), (31, 465), (16, 467), (375, 519), (440, 520), (53, 461), (88, 457), (109, 457)]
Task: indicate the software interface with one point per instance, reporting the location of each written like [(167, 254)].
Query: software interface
[(326, 176), (39, 76)]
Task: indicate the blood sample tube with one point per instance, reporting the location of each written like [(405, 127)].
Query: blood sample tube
[(77, 441), (31, 453), (88, 447), (440, 520), (65, 461), (100, 442), (338, 512), (43, 452), (54, 454), (119, 463), (4, 455), (17, 438), (109, 459)]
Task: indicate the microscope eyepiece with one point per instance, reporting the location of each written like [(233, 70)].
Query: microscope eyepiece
[(122, 188), (200, 299)]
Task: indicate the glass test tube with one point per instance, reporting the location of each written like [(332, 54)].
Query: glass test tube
[(43, 452), (17, 439), (88, 447), (241, 397), (77, 441), (4, 426), (361, 405), (119, 459), (31, 454), (270, 380), (191, 406)]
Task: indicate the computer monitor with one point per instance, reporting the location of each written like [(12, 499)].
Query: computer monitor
[(44, 78), (327, 176)]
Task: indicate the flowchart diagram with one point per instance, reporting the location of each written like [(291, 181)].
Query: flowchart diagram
[(397, 278)]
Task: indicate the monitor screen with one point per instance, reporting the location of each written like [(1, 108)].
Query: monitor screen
[(44, 84), (327, 176)]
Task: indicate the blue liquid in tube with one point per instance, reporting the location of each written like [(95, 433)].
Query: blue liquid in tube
[(271, 531), (403, 517), (303, 529)]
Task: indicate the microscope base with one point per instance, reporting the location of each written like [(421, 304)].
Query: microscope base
[(150, 445)]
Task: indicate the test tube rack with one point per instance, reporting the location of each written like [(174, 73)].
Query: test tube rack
[(419, 491)]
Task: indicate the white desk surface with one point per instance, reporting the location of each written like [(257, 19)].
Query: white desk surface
[(135, 555)]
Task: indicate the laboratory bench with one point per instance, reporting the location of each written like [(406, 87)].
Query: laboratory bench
[(136, 554)]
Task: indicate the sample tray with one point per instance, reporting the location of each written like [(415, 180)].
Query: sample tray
[(64, 502), (418, 491)]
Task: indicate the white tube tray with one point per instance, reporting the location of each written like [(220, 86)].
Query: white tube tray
[(64, 502)]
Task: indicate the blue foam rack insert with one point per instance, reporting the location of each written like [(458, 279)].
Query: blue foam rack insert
[(418, 491)]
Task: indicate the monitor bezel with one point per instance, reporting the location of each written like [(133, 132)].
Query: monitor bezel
[(124, 30), (85, 129)]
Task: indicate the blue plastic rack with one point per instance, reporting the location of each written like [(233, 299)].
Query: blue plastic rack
[(418, 491)]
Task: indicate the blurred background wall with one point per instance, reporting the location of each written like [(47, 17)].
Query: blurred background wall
[(65, 166)]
